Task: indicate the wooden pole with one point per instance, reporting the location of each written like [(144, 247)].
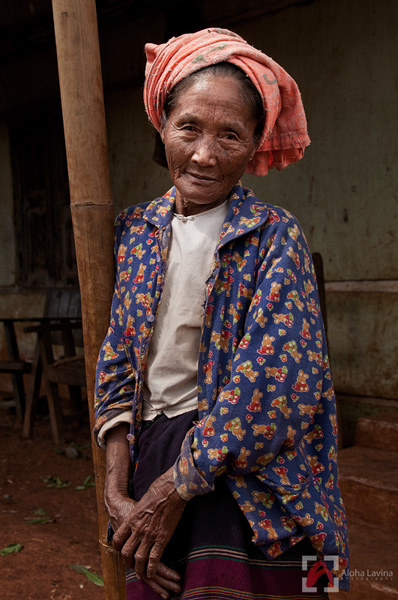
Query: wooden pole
[(79, 67)]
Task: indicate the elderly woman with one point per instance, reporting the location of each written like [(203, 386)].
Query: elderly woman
[(214, 396)]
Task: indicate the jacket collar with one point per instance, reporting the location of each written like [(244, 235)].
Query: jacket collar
[(160, 211), (245, 213)]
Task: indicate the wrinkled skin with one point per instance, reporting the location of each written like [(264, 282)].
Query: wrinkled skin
[(142, 529), (209, 139), (148, 529)]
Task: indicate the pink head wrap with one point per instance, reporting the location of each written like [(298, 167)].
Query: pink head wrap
[(285, 133)]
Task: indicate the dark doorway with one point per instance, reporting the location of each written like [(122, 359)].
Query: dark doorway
[(46, 254)]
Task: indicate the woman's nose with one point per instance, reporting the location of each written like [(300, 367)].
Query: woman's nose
[(204, 154)]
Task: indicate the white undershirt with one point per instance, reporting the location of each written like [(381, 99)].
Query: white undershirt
[(171, 378)]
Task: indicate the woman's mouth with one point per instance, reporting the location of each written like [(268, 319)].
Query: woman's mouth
[(201, 177)]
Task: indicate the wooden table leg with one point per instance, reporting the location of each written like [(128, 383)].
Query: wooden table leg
[(33, 394), (17, 378)]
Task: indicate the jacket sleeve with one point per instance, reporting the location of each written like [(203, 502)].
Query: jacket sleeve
[(279, 374), (115, 378)]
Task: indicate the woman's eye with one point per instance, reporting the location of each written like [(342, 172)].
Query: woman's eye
[(230, 136)]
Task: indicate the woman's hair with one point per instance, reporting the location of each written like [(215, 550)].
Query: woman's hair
[(249, 90)]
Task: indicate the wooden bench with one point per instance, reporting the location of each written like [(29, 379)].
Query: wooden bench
[(67, 369), (59, 326), (15, 366), (61, 329)]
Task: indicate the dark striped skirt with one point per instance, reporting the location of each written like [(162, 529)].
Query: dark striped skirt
[(211, 547)]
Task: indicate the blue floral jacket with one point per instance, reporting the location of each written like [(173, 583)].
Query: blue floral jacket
[(267, 413)]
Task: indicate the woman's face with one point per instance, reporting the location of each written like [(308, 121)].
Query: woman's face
[(209, 139)]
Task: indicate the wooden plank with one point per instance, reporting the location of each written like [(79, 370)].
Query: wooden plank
[(14, 366), (375, 287)]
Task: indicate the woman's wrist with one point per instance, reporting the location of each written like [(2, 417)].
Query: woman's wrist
[(113, 495), (117, 463)]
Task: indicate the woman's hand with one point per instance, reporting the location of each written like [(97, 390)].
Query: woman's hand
[(144, 535), (121, 508)]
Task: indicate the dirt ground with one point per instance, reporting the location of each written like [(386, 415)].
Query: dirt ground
[(57, 526)]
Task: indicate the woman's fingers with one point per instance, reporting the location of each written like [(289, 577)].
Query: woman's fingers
[(164, 581), (154, 559), (158, 588), (142, 538), (143, 554), (121, 535), (163, 586), (140, 560), (135, 552), (166, 573)]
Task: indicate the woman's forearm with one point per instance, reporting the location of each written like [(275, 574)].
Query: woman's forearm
[(117, 473)]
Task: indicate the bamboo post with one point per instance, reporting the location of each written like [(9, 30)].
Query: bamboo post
[(79, 67)]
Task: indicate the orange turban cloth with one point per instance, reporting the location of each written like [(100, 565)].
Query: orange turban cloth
[(285, 132)]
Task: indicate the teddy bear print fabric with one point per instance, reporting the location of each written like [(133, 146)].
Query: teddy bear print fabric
[(267, 414)]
